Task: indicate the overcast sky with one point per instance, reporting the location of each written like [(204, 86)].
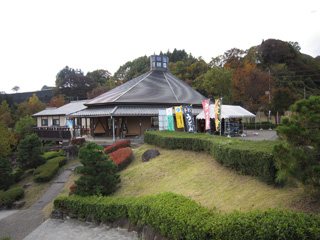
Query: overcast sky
[(40, 37)]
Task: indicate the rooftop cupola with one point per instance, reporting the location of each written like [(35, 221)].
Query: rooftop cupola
[(159, 62)]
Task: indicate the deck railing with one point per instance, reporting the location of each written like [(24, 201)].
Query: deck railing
[(60, 133)]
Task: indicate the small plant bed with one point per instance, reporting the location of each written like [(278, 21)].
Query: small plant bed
[(52, 154), (7, 198), (247, 157), (177, 217), (47, 171), (117, 145), (122, 157)]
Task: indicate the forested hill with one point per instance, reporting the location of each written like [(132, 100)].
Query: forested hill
[(243, 76)]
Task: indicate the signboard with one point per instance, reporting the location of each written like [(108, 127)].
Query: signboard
[(163, 121), (205, 106), (169, 114), (217, 113), (187, 110), (179, 116)]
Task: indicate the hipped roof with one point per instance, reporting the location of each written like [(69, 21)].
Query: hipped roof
[(153, 87), (228, 111), (66, 109)]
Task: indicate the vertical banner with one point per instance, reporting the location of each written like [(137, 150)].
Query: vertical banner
[(179, 116), (217, 113), (163, 122), (187, 110), (170, 119), (205, 106)]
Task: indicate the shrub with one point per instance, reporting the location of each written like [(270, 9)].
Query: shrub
[(7, 198), (18, 174), (122, 157), (24, 126), (47, 171), (177, 217), (115, 146), (6, 177), (51, 154), (99, 175), (29, 152), (248, 157)]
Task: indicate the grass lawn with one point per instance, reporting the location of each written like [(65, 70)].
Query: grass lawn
[(201, 178)]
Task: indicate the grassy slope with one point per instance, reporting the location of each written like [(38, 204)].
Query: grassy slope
[(198, 176)]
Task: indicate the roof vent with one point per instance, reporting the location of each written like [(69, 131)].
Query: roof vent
[(159, 62)]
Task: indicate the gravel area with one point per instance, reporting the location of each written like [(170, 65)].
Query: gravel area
[(259, 135), (6, 213), (54, 229)]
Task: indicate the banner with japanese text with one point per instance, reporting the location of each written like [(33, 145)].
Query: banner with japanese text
[(170, 120), (187, 110), (217, 113), (179, 116), (205, 106)]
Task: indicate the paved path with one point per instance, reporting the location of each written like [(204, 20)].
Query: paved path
[(55, 229), (23, 222), (259, 135)]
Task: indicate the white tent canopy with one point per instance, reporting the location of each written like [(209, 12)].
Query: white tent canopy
[(228, 111)]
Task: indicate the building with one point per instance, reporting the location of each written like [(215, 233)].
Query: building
[(133, 107)]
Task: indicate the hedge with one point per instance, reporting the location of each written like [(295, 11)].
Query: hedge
[(117, 145), (177, 217), (47, 171), (253, 158), (52, 154), (122, 157), (7, 198)]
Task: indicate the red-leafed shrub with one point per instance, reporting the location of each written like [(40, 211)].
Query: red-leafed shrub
[(117, 145), (72, 189), (122, 157)]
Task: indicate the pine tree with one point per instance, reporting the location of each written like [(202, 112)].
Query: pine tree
[(99, 175), (6, 177)]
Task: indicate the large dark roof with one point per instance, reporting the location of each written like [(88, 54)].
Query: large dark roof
[(153, 87)]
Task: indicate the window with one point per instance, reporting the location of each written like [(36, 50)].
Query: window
[(56, 122), (158, 64), (165, 65), (154, 122), (44, 122)]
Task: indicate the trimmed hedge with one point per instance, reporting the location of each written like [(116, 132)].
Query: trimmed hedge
[(52, 154), (177, 217), (122, 157), (253, 158), (47, 171), (7, 198), (117, 145)]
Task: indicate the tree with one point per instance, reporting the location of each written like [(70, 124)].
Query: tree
[(249, 86), (15, 88), (299, 156), (6, 141), (132, 69), (73, 84), (99, 175), (282, 99), (6, 177), (99, 76), (32, 106), (5, 114), (24, 126), (29, 152), (57, 101), (216, 82)]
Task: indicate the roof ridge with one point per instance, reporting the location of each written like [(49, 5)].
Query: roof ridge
[(147, 75), (170, 86)]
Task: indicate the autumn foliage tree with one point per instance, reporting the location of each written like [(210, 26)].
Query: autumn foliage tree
[(249, 87), (29, 107), (5, 114)]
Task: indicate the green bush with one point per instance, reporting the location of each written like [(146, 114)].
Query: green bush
[(29, 152), (47, 171), (6, 177), (18, 174), (177, 217), (52, 154), (7, 198), (253, 158)]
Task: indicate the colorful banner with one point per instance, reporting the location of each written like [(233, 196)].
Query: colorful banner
[(179, 116), (205, 106), (163, 120), (217, 113), (169, 114), (187, 110)]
